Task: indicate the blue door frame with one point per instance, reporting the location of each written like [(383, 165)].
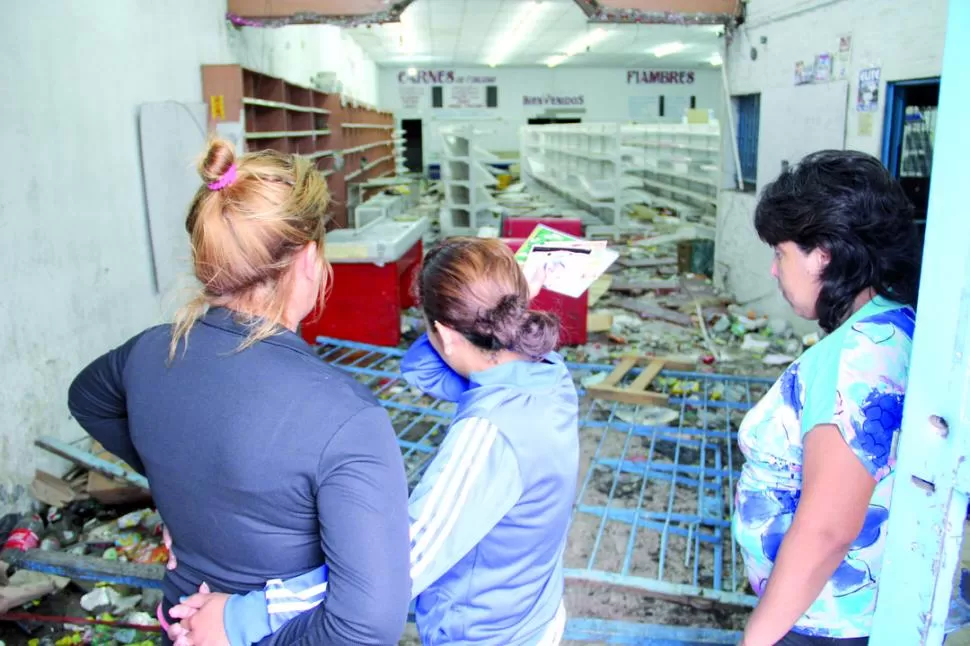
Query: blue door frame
[(892, 132), (929, 505)]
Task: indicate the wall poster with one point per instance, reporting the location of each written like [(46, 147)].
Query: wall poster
[(464, 96), (412, 96), (804, 73), (843, 58), (868, 99)]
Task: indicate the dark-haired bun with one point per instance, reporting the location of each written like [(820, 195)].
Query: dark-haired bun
[(537, 335)]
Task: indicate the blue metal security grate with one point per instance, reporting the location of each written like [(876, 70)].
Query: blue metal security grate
[(656, 484), (749, 122), (657, 494)]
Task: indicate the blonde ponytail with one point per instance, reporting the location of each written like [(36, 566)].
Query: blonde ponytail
[(246, 223)]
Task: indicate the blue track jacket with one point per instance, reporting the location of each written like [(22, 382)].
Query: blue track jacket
[(489, 518)]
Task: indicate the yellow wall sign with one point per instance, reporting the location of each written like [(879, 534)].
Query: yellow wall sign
[(217, 105)]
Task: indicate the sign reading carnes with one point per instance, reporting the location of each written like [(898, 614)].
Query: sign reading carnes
[(442, 77), (662, 77)]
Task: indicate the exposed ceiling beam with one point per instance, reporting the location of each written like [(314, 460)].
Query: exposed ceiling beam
[(662, 12), (342, 13)]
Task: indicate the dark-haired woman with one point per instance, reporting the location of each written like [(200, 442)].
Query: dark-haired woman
[(813, 498), (490, 516)]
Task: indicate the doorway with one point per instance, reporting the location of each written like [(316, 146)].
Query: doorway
[(911, 109), (413, 145), (545, 121)]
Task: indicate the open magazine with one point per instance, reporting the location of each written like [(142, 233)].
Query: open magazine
[(571, 264)]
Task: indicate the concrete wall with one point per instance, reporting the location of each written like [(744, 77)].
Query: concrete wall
[(75, 254), (299, 52), (608, 94), (902, 37)]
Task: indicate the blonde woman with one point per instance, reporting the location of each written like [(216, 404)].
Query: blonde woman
[(490, 515), (264, 461)]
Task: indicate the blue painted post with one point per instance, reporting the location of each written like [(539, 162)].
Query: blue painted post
[(929, 503)]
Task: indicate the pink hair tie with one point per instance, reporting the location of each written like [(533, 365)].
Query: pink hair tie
[(227, 178)]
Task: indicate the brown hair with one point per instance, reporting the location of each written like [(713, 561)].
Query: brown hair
[(475, 287), (244, 236)]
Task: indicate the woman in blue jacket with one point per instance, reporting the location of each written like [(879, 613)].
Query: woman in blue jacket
[(490, 516)]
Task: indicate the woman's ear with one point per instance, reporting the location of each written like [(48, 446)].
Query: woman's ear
[(448, 337), (307, 260), (820, 260)]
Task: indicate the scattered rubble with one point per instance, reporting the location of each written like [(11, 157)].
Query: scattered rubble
[(650, 304), (655, 311), (658, 299), (40, 609)]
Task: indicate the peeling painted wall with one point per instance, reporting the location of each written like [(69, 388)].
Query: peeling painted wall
[(74, 254), (902, 37)]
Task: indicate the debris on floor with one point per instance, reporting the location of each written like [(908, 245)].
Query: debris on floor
[(652, 319), (41, 609), (656, 310), (645, 307), (658, 298)]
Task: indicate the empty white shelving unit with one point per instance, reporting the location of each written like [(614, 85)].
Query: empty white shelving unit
[(604, 168), (676, 166), (466, 177), (578, 166)]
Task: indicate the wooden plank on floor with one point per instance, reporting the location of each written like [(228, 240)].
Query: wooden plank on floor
[(642, 382), (599, 322), (624, 396), (619, 372)]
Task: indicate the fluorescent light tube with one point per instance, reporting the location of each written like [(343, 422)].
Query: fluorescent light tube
[(522, 25), (667, 49)]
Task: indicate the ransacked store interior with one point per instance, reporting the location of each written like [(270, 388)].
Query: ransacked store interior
[(483, 321)]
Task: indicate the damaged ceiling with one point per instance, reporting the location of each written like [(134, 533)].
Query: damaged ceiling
[(343, 13), (468, 32), (683, 12), (349, 13)]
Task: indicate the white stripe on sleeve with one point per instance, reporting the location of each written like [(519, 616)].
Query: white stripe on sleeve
[(283, 593), (458, 454), (458, 488)]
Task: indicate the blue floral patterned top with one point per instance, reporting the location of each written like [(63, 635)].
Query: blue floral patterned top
[(855, 378)]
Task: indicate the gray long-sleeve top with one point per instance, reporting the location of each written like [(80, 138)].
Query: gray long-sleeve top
[(264, 463)]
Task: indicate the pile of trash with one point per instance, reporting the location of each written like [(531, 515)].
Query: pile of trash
[(48, 610), (650, 304), (647, 306), (658, 299)]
